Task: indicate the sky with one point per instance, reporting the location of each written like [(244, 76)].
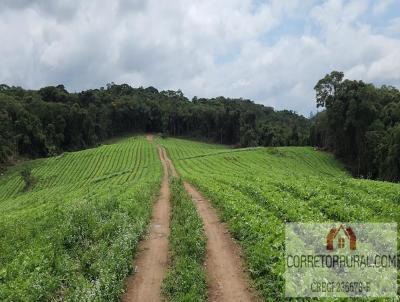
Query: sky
[(272, 52)]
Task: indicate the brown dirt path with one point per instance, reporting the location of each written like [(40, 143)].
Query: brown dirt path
[(150, 137), (151, 262), (170, 165), (227, 281)]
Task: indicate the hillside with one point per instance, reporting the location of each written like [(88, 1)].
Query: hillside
[(257, 191), (72, 235), (51, 120), (80, 223)]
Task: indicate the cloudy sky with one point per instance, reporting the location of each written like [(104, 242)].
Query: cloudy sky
[(272, 52)]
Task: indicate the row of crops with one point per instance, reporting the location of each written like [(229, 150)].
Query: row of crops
[(71, 237), (257, 191), (117, 163), (186, 278)]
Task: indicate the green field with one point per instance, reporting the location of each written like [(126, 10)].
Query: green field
[(72, 236), (257, 190)]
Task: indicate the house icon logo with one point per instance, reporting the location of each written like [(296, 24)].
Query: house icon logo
[(337, 238)]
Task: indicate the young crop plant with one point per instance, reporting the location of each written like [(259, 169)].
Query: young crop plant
[(71, 237), (185, 280), (256, 191), (29, 180)]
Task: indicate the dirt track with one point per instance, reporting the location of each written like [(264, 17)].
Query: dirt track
[(150, 137), (151, 262), (227, 281), (170, 165), (226, 278)]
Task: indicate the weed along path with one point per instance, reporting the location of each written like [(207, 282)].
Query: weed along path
[(152, 260), (227, 280)]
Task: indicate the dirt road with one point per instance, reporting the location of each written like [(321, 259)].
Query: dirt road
[(151, 262), (170, 165), (227, 280), (150, 137)]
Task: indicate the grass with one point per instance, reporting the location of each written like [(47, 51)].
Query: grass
[(185, 280), (257, 191), (71, 237)]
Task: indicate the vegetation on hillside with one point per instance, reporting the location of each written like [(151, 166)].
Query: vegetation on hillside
[(72, 235), (257, 191), (26, 175), (52, 120), (79, 223), (360, 125)]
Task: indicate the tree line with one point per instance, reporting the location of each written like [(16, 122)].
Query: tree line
[(360, 125), (48, 121)]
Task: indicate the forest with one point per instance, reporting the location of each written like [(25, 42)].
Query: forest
[(359, 122), (360, 125), (51, 120)]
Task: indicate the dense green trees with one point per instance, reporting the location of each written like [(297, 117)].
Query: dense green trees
[(360, 124), (51, 120)]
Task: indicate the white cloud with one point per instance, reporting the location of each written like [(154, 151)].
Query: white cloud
[(237, 48)]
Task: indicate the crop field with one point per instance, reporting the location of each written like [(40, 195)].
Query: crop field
[(73, 234), (257, 190)]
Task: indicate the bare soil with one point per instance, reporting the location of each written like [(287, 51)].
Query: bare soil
[(227, 280), (151, 262), (150, 137), (170, 165)]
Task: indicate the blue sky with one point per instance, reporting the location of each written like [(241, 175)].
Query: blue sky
[(272, 52)]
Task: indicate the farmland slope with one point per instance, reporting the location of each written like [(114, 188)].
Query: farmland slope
[(257, 190), (71, 236), (152, 260)]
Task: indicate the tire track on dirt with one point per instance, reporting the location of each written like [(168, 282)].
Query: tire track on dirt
[(227, 280), (151, 262), (225, 269)]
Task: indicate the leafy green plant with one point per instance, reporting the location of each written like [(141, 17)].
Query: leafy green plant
[(185, 280), (27, 177), (263, 188), (72, 237)]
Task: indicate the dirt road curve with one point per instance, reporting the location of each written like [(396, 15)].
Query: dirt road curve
[(226, 278), (152, 260)]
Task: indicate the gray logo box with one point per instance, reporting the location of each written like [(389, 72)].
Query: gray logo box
[(341, 260)]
